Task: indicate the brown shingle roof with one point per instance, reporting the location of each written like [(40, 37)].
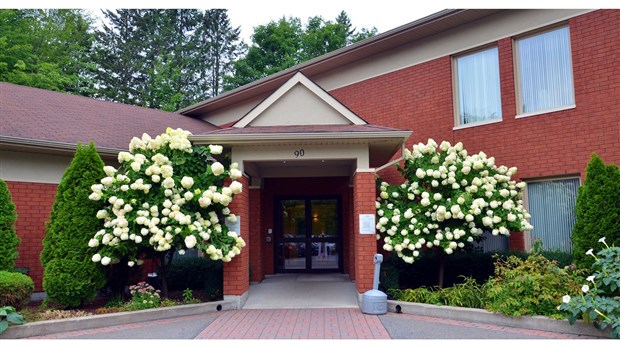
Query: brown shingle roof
[(37, 114)]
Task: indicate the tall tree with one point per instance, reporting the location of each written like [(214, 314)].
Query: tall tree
[(281, 44), (165, 59), (47, 49), (117, 53), (8, 235), (220, 46)]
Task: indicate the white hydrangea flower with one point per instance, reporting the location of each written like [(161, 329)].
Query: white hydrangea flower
[(217, 168), (215, 149)]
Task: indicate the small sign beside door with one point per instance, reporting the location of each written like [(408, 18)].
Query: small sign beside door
[(367, 223)]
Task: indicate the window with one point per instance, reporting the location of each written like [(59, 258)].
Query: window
[(545, 78), (477, 87), (552, 207)]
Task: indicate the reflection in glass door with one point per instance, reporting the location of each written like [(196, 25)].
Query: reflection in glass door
[(308, 234)]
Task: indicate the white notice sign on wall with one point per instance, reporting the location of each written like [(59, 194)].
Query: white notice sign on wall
[(367, 223), (234, 226)]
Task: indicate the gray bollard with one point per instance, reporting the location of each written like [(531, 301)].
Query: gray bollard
[(375, 301)]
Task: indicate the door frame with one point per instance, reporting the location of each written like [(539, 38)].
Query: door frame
[(278, 233)]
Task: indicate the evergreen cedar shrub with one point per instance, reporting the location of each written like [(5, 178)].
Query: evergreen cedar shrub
[(8, 237), (70, 277), (197, 273), (597, 210), (15, 289)]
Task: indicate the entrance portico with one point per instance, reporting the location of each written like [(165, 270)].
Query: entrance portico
[(308, 203)]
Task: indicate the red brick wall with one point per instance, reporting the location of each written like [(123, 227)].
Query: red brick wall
[(236, 272), (364, 195), (33, 203), (300, 186), (419, 98)]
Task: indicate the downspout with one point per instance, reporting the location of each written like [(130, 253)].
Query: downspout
[(391, 163)]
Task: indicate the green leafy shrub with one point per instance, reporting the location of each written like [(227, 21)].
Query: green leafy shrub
[(8, 236), (15, 289), (599, 305), (73, 219), (596, 214), (8, 315), (468, 294), (197, 273), (479, 266), (530, 287), (70, 283), (188, 297)]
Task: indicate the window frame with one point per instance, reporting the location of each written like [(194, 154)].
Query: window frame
[(455, 88), (517, 70)]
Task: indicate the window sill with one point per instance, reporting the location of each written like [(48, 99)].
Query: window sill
[(536, 113), (476, 124)]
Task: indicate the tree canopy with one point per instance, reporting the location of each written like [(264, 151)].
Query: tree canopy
[(281, 44)]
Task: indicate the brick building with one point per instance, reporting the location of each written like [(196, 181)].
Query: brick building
[(536, 89)]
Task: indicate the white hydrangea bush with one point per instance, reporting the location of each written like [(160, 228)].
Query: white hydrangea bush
[(447, 199), (166, 195)]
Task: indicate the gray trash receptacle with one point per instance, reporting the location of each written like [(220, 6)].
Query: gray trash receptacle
[(375, 301)]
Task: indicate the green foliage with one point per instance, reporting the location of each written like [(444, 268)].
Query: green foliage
[(529, 287), (70, 283), (597, 209), (47, 48), (164, 58), (599, 302), (8, 235), (188, 297), (281, 44), (8, 315), (15, 289), (466, 294), (144, 296), (72, 221), (197, 273)]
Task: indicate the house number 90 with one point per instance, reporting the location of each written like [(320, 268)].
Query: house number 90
[(299, 153)]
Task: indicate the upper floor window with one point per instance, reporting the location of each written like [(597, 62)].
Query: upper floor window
[(477, 87), (545, 73)]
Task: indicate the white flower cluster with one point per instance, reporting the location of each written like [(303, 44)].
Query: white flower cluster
[(448, 199), (151, 206)]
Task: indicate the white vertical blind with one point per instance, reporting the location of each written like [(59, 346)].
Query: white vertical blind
[(552, 206), (478, 86), (546, 71)]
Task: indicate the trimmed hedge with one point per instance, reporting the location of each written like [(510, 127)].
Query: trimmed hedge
[(70, 283), (597, 210), (15, 289), (8, 236), (197, 273)]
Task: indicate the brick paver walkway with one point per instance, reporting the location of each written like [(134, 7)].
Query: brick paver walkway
[(345, 323)]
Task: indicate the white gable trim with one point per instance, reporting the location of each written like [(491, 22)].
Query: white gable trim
[(313, 87)]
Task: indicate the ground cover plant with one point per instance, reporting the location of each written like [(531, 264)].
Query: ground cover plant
[(599, 300)]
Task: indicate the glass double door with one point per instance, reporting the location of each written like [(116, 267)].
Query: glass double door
[(308, 232)]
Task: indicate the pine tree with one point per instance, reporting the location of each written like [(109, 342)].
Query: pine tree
[(8, 236), (597, 210), (70, 277), (220, 46)]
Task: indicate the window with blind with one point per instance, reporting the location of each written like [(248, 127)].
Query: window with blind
[(545, 72), (477, 87), (552, 207)]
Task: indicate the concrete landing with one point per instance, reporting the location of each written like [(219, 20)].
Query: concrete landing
[(297, 291)]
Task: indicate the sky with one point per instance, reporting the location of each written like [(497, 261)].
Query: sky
[(381, 14)]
